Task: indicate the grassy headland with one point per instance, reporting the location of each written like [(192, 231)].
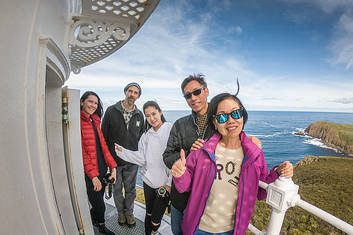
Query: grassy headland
[(338, 136), (325, 182)]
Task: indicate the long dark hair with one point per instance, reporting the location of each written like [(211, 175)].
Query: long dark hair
[(212, 109), (151, 103), (99, 110)]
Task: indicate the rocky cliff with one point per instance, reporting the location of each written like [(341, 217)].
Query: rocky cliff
[(338, 136)]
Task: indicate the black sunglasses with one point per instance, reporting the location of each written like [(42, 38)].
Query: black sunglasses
[(223, 117), (195, 93)]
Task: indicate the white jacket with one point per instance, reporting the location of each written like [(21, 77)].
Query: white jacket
[(149, 156)]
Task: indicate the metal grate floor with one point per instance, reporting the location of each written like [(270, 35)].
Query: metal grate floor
[(111, 222)]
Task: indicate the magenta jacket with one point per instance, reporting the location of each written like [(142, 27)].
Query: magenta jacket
[(201, 172)]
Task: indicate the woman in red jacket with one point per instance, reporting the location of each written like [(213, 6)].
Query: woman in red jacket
[(96, 157)]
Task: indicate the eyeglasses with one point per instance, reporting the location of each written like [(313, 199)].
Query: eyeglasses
[(195, 93), (223, 117)]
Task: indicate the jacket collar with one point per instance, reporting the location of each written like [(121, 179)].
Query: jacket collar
[(119, 106), (251, 151), (86, 117), (211, 144)]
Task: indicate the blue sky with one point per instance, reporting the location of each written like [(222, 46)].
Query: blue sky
[(292, 55)]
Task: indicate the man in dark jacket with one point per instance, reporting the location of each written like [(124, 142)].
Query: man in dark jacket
[(184, 133), (123, 124)]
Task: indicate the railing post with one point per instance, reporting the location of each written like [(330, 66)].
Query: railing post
[(281, 195)]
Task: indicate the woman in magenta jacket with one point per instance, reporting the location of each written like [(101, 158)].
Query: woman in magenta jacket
[(223, 176), (96, 157)]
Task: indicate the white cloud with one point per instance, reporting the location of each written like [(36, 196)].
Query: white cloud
[(287, 93), (344, 100), (238, 29), (330, 6), (342, 46), (115, 82)]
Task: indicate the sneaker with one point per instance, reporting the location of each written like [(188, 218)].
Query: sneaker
[(130, 220), (103, 230), (121, 219)]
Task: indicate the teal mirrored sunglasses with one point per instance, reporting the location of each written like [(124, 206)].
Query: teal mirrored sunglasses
[(223, 117)]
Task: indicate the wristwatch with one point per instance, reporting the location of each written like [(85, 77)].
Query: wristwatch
[(162, 192)]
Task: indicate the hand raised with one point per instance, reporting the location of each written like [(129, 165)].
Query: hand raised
[(117, 147), (285, 169), (197, 144), (113, 175), (179, 167), (256, 141)]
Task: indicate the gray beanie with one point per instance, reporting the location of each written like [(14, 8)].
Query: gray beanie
[(133, 84)]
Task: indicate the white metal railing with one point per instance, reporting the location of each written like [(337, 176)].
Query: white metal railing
[(283, 194)]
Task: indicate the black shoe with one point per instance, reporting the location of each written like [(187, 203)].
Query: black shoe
[(103, 230), (95, 223)]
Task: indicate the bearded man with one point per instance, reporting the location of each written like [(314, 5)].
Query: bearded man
[(123, 124)]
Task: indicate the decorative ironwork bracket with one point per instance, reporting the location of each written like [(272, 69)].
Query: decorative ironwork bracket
[(103, 27)]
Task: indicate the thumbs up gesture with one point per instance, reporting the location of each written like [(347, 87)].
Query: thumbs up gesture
[(179, 167)]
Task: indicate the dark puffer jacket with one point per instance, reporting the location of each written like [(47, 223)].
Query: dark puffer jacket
[(88, 141), (183, 134), (116, 131)]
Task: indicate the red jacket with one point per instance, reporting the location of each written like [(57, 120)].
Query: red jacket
[(88, 142)]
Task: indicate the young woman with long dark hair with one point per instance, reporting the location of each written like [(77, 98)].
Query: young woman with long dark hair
[(96, 157), (155, 175)]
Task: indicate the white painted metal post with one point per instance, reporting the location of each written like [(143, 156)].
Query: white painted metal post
[(281, 195), (276, 221)]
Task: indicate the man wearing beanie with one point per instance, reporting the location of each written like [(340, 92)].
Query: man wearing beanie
[(123, 124)]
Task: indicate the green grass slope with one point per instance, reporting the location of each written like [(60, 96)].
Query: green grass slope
[(325, 182)]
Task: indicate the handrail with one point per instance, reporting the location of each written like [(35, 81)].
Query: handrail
[(340, 224), (283, 194), (253, 229)]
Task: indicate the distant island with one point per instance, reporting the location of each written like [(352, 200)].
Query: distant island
[(338, 136)]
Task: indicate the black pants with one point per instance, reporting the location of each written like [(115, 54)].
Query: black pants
[(96, 200), (155, 206)]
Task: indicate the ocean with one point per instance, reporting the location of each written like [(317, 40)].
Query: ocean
[(276, 131)]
